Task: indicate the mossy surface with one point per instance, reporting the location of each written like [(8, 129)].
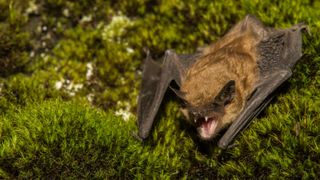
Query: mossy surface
[(69, 78), (58, 139)]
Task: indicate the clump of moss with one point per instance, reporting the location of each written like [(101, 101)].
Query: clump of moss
[(14, 47), (57, 139), (91, 52), (14, 42)]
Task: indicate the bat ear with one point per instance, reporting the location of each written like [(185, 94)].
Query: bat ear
[(226, 94)]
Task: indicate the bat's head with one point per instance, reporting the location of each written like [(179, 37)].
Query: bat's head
[(208, 118)]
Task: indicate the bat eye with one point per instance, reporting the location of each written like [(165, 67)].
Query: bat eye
[(228, 102), (227, 93), (184, 104)]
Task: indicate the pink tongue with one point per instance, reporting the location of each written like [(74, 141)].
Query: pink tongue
[(206, 125)]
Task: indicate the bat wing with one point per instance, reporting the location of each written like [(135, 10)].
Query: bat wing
[(156, 78), (279, 50)]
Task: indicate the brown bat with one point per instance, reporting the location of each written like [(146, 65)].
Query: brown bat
[(228, 82)]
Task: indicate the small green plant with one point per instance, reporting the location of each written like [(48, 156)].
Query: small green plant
[(69, 69), (59, 139)]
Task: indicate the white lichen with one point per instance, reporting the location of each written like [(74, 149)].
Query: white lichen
[(1, 86), (44, 28), (116, 28), (68, 86), (122, 80), (129, 50), (139, 72), (66, 12), (89, 73), (32, 54), (32, 8), (124, 110), (90, 97), (77, 87), (86, 19), (43, 44), (58, 85), (124, 114)]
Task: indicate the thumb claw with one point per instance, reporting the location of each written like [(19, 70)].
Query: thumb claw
[(136, 136)]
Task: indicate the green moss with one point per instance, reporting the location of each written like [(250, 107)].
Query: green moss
[(58, 139), (14, 48), (90, 52)]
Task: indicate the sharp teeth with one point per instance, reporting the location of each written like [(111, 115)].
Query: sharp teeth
[(206, 118)]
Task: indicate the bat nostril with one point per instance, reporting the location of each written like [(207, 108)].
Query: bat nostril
[(201, 119)]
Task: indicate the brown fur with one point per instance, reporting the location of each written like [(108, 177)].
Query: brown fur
[(234, 57)]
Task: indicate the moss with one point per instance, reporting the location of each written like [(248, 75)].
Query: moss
[(14, 55), (14, 42), (57, 139), (90, 52)]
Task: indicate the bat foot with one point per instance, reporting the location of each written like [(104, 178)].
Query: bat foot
[(146, 50), (229, 146), (137, 137), (170, 52), (232, 146), (302, 26)]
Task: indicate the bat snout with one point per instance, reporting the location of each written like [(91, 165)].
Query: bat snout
[(207, 126)]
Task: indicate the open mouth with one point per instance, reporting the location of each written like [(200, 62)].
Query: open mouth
[(206, 127)]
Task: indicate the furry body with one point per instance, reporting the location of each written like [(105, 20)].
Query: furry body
[(233, 57)]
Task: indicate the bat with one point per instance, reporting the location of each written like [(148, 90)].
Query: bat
[(225, 84)]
